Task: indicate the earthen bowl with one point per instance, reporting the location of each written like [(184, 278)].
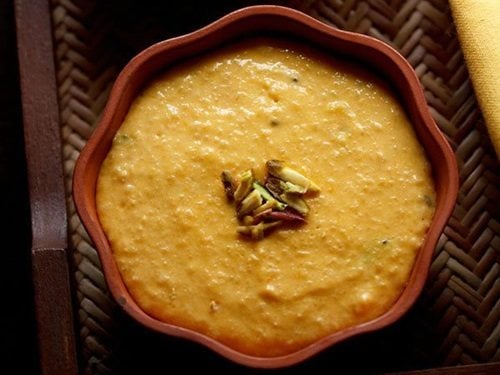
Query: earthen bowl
[(268, 20)]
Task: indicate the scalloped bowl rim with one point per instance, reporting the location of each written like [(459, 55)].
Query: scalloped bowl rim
[(295, 24)]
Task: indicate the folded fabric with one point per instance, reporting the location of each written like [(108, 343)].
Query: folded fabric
[(478, 27)]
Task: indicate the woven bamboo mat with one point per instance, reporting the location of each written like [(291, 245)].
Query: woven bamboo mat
[(457, 320)]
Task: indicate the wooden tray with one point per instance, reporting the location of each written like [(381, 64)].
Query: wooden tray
[(70, 51)]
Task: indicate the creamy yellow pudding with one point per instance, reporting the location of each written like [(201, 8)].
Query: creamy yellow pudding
[(172, 230)]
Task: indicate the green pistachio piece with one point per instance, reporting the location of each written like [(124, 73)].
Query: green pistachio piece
[(244, 229), (256, 232), (250, 203), (262, 190), (265, 206), (286, 216), (267, 196), (245, 186), (261, 216), (247, 220), (292, 188), (278, 169), (228, 183), (288, 187), (273, 185), (296, 202)]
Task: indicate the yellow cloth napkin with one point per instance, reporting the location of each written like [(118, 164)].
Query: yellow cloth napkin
[(478, 26)]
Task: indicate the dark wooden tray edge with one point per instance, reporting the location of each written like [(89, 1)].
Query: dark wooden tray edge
[(52, 288)]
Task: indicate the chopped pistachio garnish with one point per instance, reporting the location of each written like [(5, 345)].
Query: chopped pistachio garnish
[(228, 182), (250, 203), (291, 197), (278, 169), (257, 218), (256, 232), (267, 195), (296, 202), (261, 206), (292, 188), (273, 185), (286, 216), (248, 220), (262, 190), (270, 204), (244, 186)]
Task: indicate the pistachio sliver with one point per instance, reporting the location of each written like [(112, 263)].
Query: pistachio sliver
[(272, 224), (244, 229), (278, 169), (245, 185), (288, 187), (248, 220), (250, 203), (262, 190), (261, 216), (274, 186), (256, 232), (292, 188), (296, 202), (228, 183), (285, 216), (267, 196), (264, 207)]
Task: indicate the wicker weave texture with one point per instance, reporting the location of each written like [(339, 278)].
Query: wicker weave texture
[(461, 304)]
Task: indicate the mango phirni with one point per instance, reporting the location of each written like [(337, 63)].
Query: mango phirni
[(172, 230)]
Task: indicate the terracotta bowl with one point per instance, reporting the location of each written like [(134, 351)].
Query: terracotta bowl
[(269, 20)]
